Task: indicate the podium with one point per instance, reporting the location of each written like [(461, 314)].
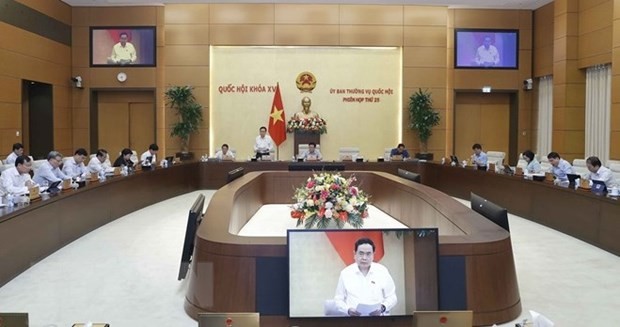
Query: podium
[(305, 138)]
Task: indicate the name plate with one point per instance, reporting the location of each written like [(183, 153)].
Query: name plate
[(519, 171), (549, 177), (491, 168)]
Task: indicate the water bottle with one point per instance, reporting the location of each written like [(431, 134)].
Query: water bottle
[(102, 175), (9, 200)]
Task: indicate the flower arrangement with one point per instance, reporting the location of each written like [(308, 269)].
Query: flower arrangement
[(329, 197), (314, 125)]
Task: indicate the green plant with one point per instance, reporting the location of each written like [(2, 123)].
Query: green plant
[(181, 99), (422, 116)]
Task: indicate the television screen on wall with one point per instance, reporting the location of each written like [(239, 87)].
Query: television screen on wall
[(486, 49), (122, 46)]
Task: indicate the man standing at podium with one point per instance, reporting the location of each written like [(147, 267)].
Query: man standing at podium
[(263, 143)]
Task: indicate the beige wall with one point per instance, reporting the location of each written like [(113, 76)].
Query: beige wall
[(25, 55)]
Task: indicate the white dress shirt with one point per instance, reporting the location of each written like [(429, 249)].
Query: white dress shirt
[(46, 174), (10, 159), (487, 57), (481, 159), (73, 169), (11, 181), (263, 145), (563, 168), (316, 155), (603, 174), (355, 288), (220, 155), (147, 154), (95, 166)]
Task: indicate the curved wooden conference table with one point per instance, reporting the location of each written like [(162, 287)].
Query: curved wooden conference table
[(31, 233)]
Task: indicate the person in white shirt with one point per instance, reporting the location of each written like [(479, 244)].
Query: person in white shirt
[(487, 54), (149, 157), (224, 153), (365, 282), (98, 164), (18, 150), (312, 154), (49, 172), (123, 52), (479, 158), (74, 167), (560, 168), (598, 172), (16, 180), (263, 144)]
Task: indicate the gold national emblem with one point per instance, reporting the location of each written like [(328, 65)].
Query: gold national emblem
[(306, 82)]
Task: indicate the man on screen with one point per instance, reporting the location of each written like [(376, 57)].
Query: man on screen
[(365, 285), (123, 52), (487, 54)]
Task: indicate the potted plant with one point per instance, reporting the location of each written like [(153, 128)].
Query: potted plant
[(422, 119), (181, 99)]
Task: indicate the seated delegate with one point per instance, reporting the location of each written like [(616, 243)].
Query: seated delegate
[(312, 154), (399, 153), (98, 164), (74, 167), (225, 154), (560, 168), (49, 172), (18, 150), (149, 157), (124, 159), (16, 180), (533, 166), (598, 172), (479, 158)]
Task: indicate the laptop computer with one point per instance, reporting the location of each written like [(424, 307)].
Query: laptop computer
[(14, 319), (599, 187), (443, 319), (243, 319), (53, 188)]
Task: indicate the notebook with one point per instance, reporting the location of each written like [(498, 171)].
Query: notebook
[(599, 187), (242, 319), (14, 319), (443, 319)]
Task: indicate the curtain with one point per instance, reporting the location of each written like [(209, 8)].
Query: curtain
[(598, 107), (545, 116)]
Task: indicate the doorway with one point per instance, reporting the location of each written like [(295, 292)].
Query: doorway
[(122, 119), (488, 119), (37, 118)]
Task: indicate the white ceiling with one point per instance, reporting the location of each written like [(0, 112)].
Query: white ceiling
[(499, 4)]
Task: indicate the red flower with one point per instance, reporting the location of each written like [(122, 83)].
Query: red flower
[(321, 212), (365, 214), (310, 184), (443, 320), (343, 215), (296, 214)]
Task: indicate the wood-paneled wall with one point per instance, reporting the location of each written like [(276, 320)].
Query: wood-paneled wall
[(104, 78), (504, 80), (26, 55)]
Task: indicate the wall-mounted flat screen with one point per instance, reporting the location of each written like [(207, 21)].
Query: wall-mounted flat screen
[(362, 273), (486, 49), (122, 46)]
